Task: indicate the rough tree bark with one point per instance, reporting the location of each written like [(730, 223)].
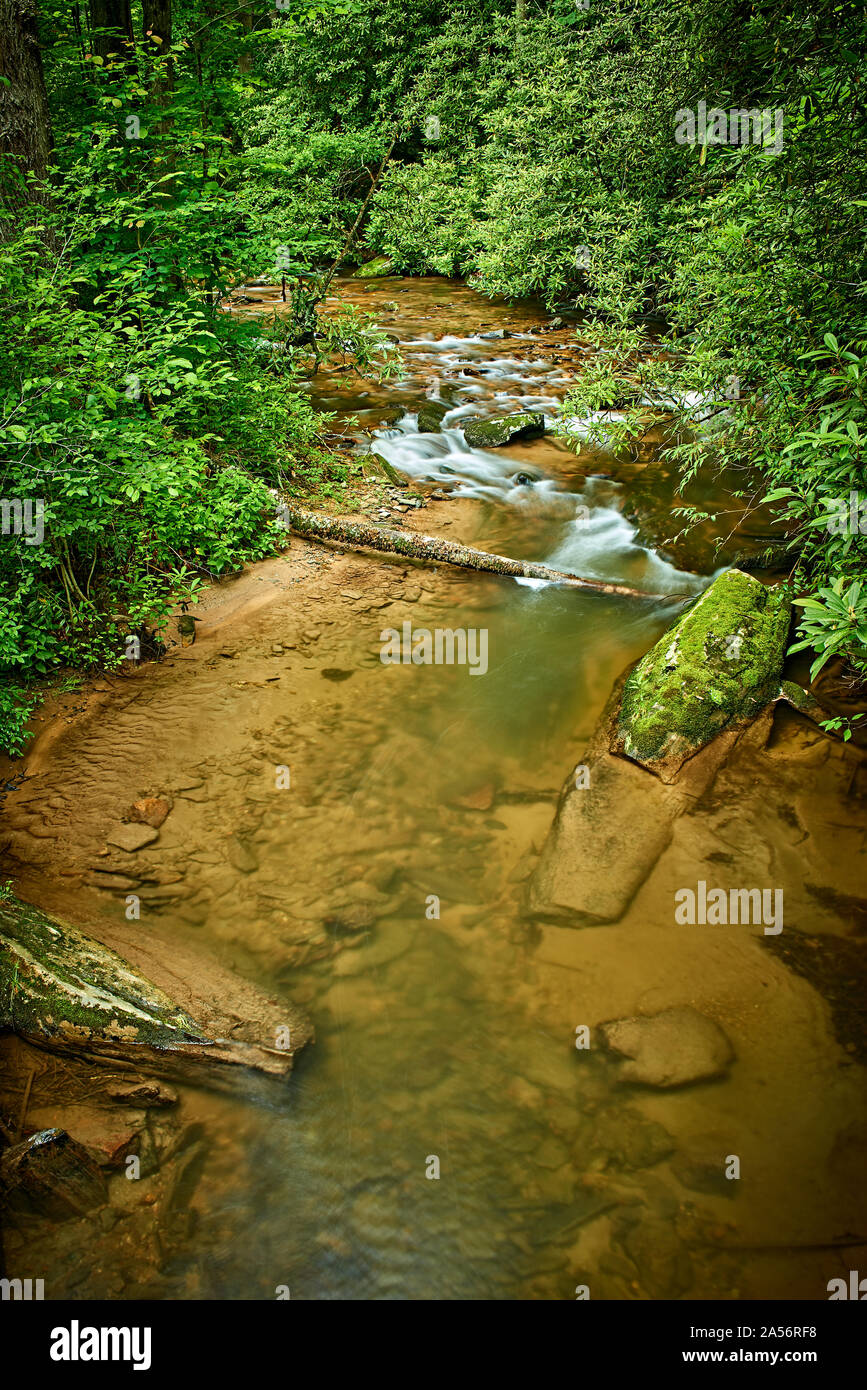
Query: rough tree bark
[(25, 124), (157, 28), (157, 19), (113, 15), (361, 536)]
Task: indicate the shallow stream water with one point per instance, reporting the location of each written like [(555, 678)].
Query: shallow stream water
[(443, 1138)]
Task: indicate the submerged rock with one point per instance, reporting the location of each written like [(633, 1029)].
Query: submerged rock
[(627, 1139), (663, 1263), (150, 810), (715, 669), (702, 1167), (240, 855), (673, 1048), (613, 811), (670, 724), (489, 434), (131, 837)]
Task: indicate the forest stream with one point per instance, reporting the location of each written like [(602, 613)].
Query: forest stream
[(444, 1137)]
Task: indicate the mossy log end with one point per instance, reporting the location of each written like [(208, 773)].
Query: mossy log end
[(66, 992), (360, 536)]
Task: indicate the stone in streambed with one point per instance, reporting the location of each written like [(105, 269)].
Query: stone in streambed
[(673, 1048), (490, 434), (620, 819), (140, 1091), (626, 1139), (108, 1135), (52, 1175), (131, 837), (430, 417), (670, 724), (702, 1167), (663, 1264), (382, 466), (801, 700), (150, 810), (715, 669), (241, 856), (481, 798), (372, 270), (99, 878), (613, 822)]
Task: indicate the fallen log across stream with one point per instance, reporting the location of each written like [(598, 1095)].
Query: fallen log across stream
[(361, 536)]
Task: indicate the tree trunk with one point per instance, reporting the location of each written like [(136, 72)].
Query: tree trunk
[(157, 31), (68, 992), (245, 60), (361, 536), (157, 19), (115, 16), (25, 124)]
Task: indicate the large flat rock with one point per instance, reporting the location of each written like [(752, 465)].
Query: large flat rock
[(608, 835)]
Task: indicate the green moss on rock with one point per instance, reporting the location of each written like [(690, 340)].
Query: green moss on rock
[(372, 270), (430, 417), (801, 700), (719, 665), (489, 434), (55, 982), (384, 468)]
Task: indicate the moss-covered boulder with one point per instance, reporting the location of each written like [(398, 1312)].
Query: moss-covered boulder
[(430, 417), (491, 434), (716, 668), (372, 270), (377, 464)]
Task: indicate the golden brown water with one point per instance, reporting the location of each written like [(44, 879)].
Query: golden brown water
[(384, 890)]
